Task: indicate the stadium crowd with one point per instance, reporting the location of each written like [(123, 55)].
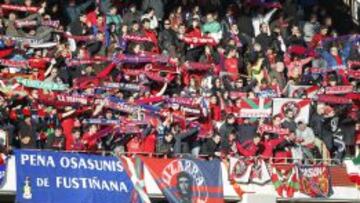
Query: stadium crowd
[(171, 77)]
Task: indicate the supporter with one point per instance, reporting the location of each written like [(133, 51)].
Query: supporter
[(167, 146), (249, 148), (264, 38), (269, 145), (150, 15), (27, 135), (211, 147), (167, 38), (77, 144), (247, 131), (113, 18), (132, 15), (212, 27), (57, 142), (227, 127), (310, 28), (289, 121), (158, 7), (305, 136)]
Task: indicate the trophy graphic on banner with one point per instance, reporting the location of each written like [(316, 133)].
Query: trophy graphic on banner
[(27, 189)]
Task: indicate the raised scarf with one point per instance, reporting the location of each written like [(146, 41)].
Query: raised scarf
[(31, 9), (31, 23), (42, 85)]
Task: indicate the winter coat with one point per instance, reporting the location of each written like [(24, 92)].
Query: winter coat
[(264, 40), (165, 148), (246, 132), (332, 60), (231, 65), (209, 147), (26, 131), (294, 40), (167, 39), (316, 123), (269, 146), (226, 129), (56, 142), (245, 25), (289, 124), (247, 149)]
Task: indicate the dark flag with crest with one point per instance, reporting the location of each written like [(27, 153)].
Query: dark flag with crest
[(187, 180)]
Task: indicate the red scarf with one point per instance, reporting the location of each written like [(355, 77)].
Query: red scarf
[(338, 59), (30, 9)]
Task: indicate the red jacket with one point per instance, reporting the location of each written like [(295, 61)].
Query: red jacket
[(152, 35), (68, 125), (134, 145), (149, 143), (231, 66), (38, 63), (316, 39), (269, 146), (247, 149), (215, 112), (77, 145), (90, 142)]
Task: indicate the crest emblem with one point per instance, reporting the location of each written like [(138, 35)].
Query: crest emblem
[(27, 194), (292, 106)]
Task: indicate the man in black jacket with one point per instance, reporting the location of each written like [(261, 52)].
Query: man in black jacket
[(166, 147), (181, 145), (264, 38), (289, 121), (211, 147), (228, 127), (57, 141), (27, 134), (247, 131), (167, 37)]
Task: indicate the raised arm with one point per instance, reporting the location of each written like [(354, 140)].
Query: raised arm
[(243, 151), (268, 16), (163, 90), (85, 5), (305, 61)]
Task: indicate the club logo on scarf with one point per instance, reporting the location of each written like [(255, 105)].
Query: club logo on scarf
[(187, 180), (243, 171), (239, 169), (259, 173), (303, 91), (315, 181), (290, 106), (300, 108)]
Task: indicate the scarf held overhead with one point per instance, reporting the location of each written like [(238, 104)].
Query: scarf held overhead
[(42, 85)]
